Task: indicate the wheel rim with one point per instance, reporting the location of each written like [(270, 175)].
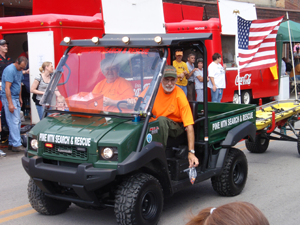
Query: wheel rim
[(238, 174), (235, 99), (149, 206), (246, 98)]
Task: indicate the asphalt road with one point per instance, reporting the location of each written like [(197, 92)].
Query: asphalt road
[(272, 185)]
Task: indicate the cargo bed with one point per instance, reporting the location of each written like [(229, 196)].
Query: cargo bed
[(222, 117)]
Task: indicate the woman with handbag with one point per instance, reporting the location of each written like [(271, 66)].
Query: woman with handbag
[(40, 85)]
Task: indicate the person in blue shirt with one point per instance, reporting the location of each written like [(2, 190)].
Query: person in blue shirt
[(12, 101), (4, 62)]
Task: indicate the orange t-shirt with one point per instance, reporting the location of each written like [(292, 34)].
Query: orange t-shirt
[(175, 106), (120, 89)]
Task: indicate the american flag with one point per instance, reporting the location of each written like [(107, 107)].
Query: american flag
[(256, 43)]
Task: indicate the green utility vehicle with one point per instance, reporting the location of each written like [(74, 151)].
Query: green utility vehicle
[(102, 153)]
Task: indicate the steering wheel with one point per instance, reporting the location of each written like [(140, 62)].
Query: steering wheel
[(136, 107), (118, 105)]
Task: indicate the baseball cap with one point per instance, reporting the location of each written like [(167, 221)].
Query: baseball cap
[(170, 71), (3, 42), (178, 53)]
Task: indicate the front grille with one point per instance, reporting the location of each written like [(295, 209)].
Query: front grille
[(64, 149)]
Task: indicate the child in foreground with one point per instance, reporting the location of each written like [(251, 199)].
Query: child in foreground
[(235, 213), (61, 103)]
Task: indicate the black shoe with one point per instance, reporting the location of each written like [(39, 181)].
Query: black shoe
[(9, 147), (19, 148)]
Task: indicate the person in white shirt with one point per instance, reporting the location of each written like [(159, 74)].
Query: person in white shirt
[(217, 82), (199, 80)]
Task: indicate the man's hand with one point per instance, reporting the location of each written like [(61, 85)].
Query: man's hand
[(180, 76), (193, 160), (11, 108), (107, 101), (131, 101), (214, 88)]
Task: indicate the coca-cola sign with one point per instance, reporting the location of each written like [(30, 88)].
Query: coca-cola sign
[(245, 80)]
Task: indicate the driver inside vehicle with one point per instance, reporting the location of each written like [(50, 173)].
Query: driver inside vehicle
[(172, 110), (113, 88)]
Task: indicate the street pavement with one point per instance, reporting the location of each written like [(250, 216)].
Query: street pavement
[(272, 185)]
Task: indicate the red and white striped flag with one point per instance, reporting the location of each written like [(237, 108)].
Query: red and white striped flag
[(256, 43)]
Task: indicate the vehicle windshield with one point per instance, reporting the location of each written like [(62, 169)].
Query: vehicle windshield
[(107, 80)]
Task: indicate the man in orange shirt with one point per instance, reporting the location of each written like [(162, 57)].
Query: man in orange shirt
[(113, 87), (171, 108)]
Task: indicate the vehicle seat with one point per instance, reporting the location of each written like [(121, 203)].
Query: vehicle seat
[(173, 144), (194, 109)]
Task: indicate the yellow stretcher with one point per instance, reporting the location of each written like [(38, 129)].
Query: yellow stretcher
[(283, 109), (282, 115)]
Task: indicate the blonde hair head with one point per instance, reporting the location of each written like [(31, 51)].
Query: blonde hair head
[(60, 98), (42, 68)]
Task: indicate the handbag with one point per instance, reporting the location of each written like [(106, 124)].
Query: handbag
[(34, 99)]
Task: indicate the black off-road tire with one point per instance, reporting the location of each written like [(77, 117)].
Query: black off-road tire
[(260, 145), (233, 178), (43, 204), (139, 200)]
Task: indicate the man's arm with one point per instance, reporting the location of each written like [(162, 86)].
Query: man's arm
[(212, 79), (191, 73), (20, 97), (185, 70), (11, 106), (193, 160), (211, 74), (184, 73)]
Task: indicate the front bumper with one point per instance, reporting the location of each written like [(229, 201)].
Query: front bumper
[(84, 179)]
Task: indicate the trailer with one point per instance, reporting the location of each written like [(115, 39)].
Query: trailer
[(282, 115)]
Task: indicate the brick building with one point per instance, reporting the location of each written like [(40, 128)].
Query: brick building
[(265, 8)]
